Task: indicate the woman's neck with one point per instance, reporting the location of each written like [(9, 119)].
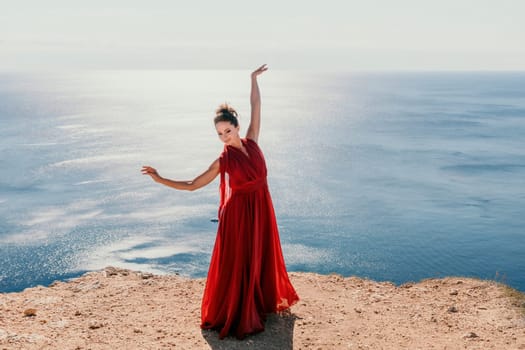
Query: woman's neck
[(237, 143)]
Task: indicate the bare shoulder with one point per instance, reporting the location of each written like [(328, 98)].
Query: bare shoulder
[(250, 139)]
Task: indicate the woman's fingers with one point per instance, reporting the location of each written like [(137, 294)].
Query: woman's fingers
[(261, 69), (147, 170)]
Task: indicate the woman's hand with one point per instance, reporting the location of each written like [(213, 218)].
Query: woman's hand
[(259, 71), (147, 170)]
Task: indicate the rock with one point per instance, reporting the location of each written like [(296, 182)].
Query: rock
[(95, 325), (115, 271), (452, 309), (145, 275), (454, 292), (54, 284), (110, 271), (376, 298), (470, 335), (30, 312)]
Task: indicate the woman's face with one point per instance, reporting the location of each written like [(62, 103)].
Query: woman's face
[(227, 132)]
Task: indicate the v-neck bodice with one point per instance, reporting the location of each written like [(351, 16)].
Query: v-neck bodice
[(241, 167), (243, 142)]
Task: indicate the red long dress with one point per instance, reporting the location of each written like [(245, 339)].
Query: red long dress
[(247, 278)]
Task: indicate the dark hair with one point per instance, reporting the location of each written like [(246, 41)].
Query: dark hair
[(226, 113)]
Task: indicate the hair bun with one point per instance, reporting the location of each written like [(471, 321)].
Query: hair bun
[(226, 109), (225, 112)]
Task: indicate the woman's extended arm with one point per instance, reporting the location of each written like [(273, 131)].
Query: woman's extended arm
[(255, 102), (200, 181)]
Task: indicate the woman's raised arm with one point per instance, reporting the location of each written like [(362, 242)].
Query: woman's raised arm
[(200, 181), (255, 102)]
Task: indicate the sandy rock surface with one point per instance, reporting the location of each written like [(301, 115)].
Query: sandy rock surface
[(122, 309)]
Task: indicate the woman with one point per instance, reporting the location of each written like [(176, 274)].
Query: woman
[(247, 277)]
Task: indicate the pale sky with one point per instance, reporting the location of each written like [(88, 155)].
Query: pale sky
[(240, 34)]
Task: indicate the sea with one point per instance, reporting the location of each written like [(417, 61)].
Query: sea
[(391, 176)]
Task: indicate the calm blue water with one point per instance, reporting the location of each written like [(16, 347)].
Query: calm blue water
[(391, 176)]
